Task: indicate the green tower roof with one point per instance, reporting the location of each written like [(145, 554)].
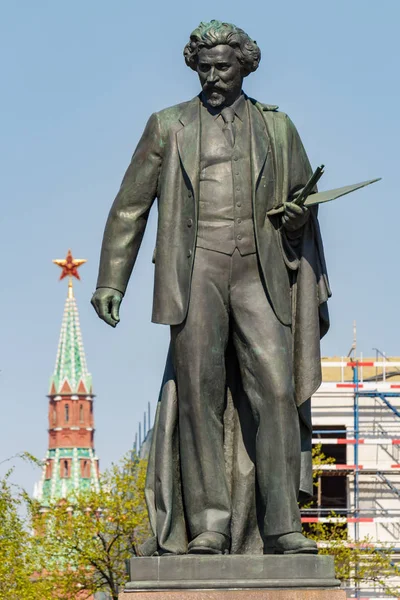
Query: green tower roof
[(70, 368)]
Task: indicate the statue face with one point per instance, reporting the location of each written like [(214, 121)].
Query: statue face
[(220, 75)]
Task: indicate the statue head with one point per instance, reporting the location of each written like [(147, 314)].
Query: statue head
[(222, 55)]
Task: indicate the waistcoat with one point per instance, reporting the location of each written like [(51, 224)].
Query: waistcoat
[(225, 198)]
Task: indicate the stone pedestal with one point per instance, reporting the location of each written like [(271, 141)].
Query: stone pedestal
[(269, 577), (236, 595)]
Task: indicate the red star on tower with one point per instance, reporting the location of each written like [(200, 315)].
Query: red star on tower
[(69, 265)]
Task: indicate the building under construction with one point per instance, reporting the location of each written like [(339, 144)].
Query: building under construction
[(356, 419)]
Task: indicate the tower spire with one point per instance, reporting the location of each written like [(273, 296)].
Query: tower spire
[(70, 372), (71, 462)]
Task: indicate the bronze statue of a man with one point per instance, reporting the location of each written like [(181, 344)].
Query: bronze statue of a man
[(245, 296)]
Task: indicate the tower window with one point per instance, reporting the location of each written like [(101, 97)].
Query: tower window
[(81, 413), (85, 468), (54, 415), (65, 468), (66, 413), (48, 469)]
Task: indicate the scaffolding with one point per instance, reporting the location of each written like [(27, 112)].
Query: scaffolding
[(382, 391)]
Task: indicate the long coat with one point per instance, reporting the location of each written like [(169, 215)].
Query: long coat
[(166, 165)]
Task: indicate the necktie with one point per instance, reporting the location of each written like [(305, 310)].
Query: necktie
[(228, 115)]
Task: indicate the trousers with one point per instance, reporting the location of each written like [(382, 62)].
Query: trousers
[(228, 301)]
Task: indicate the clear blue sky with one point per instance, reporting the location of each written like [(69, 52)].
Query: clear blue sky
[(79, 80)]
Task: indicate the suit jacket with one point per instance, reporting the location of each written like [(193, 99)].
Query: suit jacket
[(165, 165)]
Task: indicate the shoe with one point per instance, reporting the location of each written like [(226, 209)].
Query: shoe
[(209, 542), (290, 543)]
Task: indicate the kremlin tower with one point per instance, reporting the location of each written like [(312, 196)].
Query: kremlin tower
[(71, 463)]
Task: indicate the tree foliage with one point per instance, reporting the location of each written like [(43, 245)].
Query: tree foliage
[(18, 562), (74, 548), (89, 538)]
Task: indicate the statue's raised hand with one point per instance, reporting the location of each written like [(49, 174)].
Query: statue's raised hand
[(106, 302)]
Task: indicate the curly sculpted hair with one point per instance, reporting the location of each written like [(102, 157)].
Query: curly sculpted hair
[(208, 35)]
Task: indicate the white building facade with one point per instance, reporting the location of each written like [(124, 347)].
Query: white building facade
[(356, 417)]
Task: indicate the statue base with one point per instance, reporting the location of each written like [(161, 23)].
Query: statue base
[(233, 577), (235, 595)]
